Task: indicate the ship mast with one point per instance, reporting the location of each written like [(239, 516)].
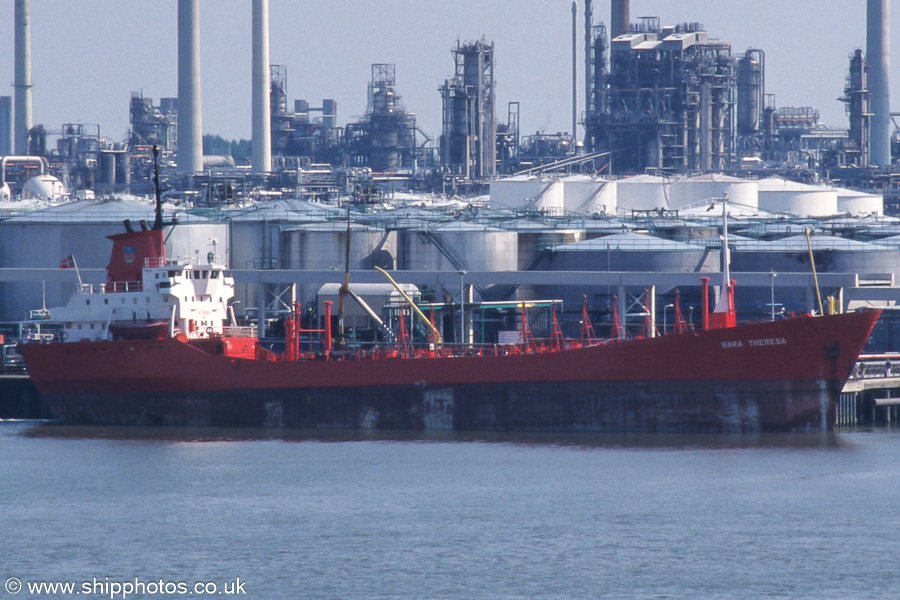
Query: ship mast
[(342, 293), (726, 253), (723, 315), (158, 221)]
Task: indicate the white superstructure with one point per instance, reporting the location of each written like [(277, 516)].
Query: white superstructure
[(190, 299)]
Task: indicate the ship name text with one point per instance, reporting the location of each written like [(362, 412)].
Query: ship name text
[(778, 341)]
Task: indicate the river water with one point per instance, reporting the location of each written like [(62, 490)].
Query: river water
[(347, 516)]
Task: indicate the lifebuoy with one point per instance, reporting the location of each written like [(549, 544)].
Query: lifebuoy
[(209, 331)]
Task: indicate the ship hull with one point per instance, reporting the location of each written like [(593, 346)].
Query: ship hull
[(725, 406), (781, 376)]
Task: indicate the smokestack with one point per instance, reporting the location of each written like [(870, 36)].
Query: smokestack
[(190, 128), (23, 76), (588, 50), (620, 19), (878, 56), (574, 72), (262, 133)]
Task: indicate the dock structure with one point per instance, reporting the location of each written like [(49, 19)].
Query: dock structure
[(872, 392)]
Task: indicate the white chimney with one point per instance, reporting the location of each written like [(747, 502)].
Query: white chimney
[(23, 120), (878, 57), (190, 128), (262, 133)]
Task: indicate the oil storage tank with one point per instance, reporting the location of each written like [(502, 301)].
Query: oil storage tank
[(528, 192), (627, 251), (832, 254), (536, 241), (536, 238), (255, 236), (642, 192), (851, 202), (790, 255), (458, 246), (323, 246), (799, 199), (586, 195), (631, 251), (690, 191)]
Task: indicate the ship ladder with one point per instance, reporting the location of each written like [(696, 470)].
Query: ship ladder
[(588, 337), (404, 342), (557, 340), (680, 325)]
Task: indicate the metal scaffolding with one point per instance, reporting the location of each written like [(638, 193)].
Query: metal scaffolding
[(468, 141), (857, 97), (385, 139), (668, 102)]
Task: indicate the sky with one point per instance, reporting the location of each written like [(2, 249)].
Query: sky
[(89, 55)]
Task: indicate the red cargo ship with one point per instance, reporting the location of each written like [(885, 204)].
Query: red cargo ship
[(154, 346)]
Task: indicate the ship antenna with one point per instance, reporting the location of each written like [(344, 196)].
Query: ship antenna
[(158, 221)]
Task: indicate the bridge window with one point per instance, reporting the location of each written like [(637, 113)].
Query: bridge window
[(214, 275)]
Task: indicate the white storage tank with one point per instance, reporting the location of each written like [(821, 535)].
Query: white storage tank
[(690, 191), (799, 199), (586, 195), (627, 251), (642, 192), (323, 246), (478, 247), (44, 187), (458, 245), (537, 236), (851, 202), (528, 192)]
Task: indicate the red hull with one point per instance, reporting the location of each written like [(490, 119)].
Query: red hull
[(769, 376)]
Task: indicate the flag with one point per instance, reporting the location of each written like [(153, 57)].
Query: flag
[(68, 262)]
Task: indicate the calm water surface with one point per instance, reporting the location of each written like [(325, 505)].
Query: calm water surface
[(347, 516)]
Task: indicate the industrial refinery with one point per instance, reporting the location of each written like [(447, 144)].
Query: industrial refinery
[(674, 132)]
